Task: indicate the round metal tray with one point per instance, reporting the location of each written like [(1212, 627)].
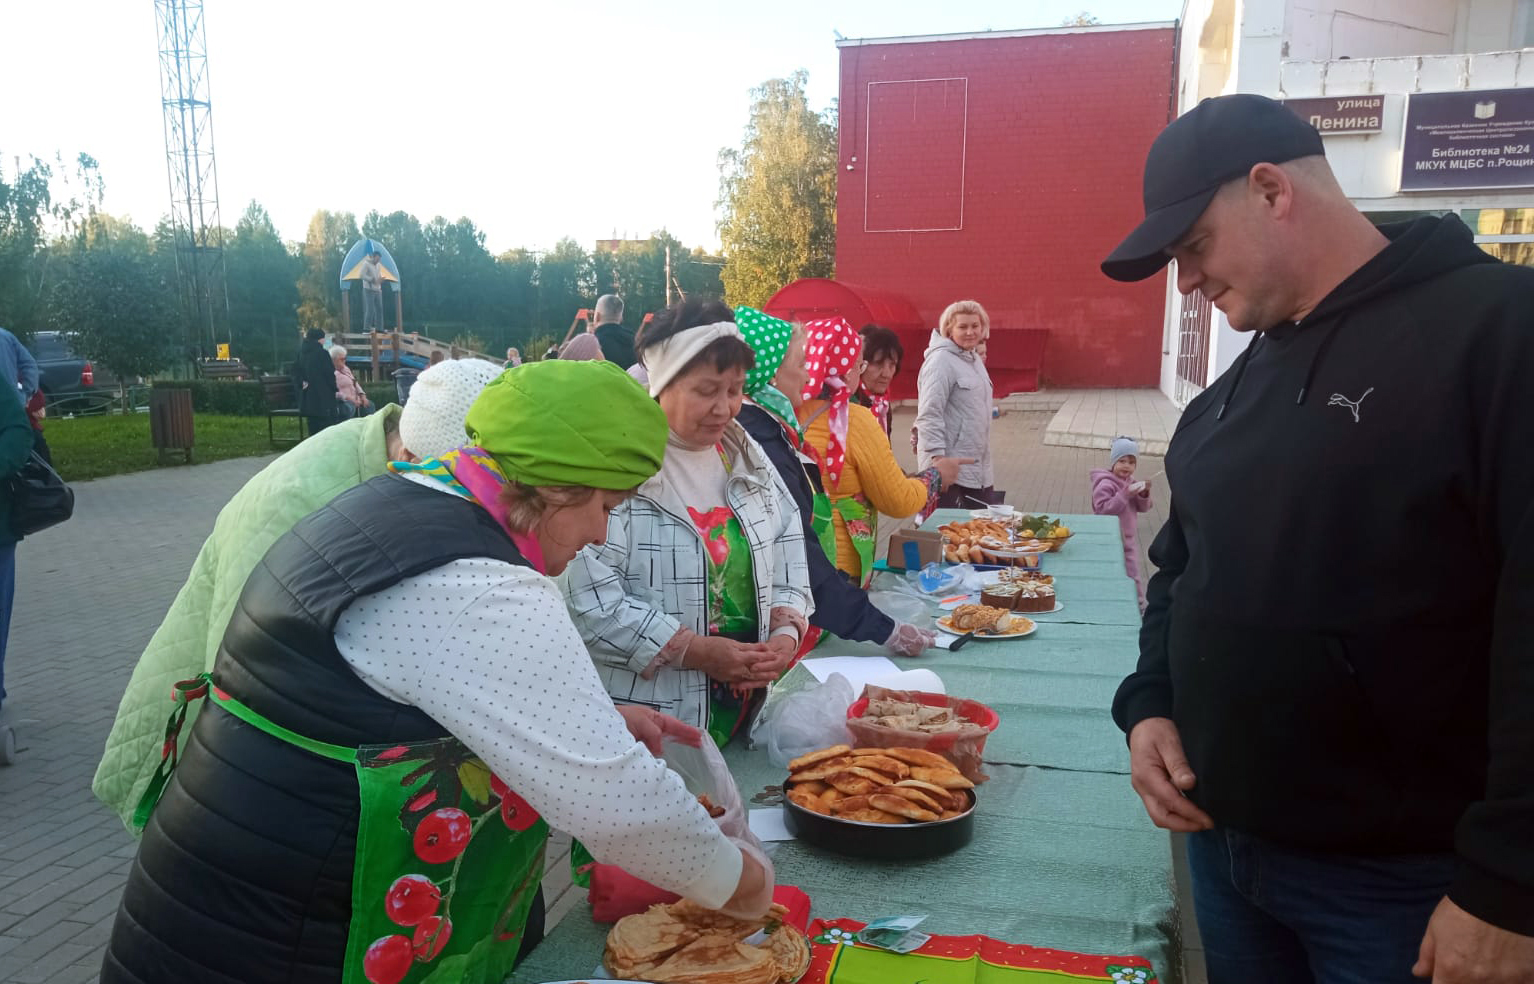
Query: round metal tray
[(882, 841)]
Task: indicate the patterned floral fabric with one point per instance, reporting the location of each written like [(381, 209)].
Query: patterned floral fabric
[(836, 957)]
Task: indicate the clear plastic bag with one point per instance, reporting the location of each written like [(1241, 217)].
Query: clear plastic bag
[(614, 893), (808, 719)]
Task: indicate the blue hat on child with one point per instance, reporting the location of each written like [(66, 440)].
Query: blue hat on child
[(1121, 447)]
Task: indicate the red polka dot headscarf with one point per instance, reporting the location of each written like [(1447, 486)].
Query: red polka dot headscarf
[(832, 349)]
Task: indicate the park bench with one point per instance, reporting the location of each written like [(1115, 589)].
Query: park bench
[(281, 401)]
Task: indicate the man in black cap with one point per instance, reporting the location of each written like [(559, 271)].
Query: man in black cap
[(1335, 693)]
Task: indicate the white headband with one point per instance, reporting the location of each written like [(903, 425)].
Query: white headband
[(667, 358)]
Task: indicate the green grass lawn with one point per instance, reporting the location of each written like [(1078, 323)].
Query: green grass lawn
[(94, 447)]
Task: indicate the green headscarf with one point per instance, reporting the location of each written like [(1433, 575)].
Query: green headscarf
[(769, 338), (570, 423)]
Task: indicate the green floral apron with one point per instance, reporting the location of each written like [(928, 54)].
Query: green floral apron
[(448, 859), (731, 611), (862, 522)]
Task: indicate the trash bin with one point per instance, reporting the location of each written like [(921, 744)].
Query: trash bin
[(170, 421), (403, 380)]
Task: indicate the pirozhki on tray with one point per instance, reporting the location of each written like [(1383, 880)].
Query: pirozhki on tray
[(878, 785)]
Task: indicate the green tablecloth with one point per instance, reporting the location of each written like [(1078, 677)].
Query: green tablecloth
[(1063, 854)]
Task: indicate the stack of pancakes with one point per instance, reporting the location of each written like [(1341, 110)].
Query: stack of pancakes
[(682, 943)]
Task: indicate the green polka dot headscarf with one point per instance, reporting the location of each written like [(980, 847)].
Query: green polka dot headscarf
[(768, 338)]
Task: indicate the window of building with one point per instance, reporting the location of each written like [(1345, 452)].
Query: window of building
[(1506, 233)]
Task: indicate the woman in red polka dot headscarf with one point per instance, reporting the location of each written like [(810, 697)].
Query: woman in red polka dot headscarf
[(858, 468)]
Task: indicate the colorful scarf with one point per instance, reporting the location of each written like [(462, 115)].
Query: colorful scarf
[(832, 349), (769, 339), (473, 473)]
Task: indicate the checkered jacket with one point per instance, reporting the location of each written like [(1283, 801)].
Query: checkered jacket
[(630, 595)]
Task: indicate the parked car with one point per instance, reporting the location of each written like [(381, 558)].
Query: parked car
[(70, 384)]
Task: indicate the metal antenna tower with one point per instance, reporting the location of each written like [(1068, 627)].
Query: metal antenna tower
[(188, 116)]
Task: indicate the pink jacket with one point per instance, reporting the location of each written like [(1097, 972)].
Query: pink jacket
[(347, 388), (1111, 497)]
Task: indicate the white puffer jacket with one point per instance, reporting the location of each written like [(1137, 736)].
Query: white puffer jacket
[(953, 411), (630, 595)]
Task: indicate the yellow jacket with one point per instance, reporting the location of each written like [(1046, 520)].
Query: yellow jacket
[(870, 471)]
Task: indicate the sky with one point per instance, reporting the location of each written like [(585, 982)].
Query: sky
[(535, 120)]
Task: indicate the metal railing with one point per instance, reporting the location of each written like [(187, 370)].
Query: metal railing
[(97, 401)]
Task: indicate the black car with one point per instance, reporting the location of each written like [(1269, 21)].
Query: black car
[(69, 383)]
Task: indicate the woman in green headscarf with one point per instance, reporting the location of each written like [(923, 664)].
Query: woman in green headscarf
[(774, 391), (403, 707)]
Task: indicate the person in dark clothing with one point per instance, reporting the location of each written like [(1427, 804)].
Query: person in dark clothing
[(1311, 704), (617, 341), (314, 377), (774, 388)]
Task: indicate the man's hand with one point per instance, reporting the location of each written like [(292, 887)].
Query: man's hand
[(1458, 948), (1159, 772), (650, 727)]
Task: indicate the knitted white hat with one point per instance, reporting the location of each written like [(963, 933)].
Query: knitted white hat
[(432, 421), (1122, 446)]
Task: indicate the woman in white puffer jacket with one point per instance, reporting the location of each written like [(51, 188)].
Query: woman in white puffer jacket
[(953, 406)]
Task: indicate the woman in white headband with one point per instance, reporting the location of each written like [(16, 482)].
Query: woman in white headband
[(699, 598)]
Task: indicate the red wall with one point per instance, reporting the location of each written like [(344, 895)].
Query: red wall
[(1033, 150)]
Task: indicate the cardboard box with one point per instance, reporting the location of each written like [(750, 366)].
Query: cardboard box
[(928, 544)]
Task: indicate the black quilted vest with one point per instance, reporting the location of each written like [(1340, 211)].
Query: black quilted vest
[(245, 869)]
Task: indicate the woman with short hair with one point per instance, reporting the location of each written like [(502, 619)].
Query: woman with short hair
[(882, 355), (953, 404), (699, 597), (351, 401)]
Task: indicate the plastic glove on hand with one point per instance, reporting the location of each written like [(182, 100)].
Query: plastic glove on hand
[(908, 640)]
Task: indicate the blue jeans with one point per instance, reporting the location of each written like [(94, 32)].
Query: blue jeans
[(1270, 914), (7, 595)]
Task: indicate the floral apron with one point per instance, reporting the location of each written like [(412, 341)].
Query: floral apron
[(448, 858)]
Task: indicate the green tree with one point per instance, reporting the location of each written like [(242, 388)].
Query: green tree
[(330, 235), (1082, 19), (778, 194), (515, 299), (39, 199), (112, 299), (458, 284), (564, 286), (263, 290)]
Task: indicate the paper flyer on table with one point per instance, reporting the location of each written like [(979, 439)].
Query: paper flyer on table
[(878, 670), (768, 825)]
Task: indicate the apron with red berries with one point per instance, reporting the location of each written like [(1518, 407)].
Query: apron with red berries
[(448, 859)]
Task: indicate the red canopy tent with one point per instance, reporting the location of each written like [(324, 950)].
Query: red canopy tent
[(1015, 354), (819, 297)]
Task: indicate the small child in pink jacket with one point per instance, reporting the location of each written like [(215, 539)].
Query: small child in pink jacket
[(1115, 494)]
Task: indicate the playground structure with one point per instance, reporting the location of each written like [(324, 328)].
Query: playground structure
[(351, 269), (383, 352)]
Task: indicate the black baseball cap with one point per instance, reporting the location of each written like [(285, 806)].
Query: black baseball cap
[(1217, 141)]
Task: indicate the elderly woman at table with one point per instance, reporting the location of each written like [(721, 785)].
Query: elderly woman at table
[(856, 463), (774, 390), (701, 594), (400, 702)]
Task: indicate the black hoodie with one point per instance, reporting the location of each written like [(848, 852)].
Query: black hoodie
[(1342, 624)]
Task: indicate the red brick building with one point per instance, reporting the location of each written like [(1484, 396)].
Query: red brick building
[(1003, 167)]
